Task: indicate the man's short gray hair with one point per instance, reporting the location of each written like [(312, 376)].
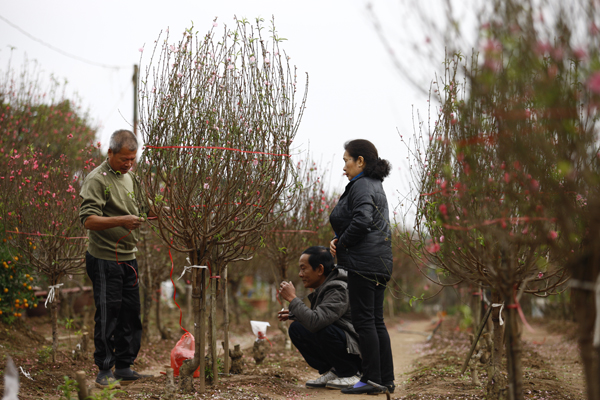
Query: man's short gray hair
[(122, 138)]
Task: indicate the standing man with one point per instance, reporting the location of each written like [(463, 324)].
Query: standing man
[(323, 333), (113, 208)]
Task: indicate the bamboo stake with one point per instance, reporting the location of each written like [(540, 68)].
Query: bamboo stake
[(476, 339)]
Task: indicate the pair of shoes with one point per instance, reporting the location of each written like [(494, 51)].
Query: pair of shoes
[(321, 381), (107, 381), (366, 389), (128, 379), (390, 385), (343, 383)]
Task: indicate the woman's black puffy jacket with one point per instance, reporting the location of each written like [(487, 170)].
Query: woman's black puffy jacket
[(361, 223)]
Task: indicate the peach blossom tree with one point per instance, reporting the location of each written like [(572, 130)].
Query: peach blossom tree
[(218, 117)]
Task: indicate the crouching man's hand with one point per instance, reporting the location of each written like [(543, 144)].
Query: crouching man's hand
[(283, 315), (287, 291)]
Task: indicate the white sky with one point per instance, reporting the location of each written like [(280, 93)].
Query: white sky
[(355, 91)]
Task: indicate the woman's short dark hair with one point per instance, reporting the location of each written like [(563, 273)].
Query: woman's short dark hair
[(375, 168), (319, 255)]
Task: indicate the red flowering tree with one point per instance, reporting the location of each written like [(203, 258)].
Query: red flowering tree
[(42, 219), (36, 113), (510, 168), (37, 121), (218, 117)]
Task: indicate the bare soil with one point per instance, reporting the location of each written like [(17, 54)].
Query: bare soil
[(424, 369)]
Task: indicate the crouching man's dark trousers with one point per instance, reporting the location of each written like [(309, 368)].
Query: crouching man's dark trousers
[(325, 349), (118, 329)]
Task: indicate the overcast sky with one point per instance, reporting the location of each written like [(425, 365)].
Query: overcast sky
[(355, 91)]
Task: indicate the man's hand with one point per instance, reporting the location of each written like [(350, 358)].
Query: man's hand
[(333, 247), (287, 290), (131, 222), (283, 315)]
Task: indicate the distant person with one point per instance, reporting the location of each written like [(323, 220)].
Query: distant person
[(323, 333), (363, 246), (112, 209)]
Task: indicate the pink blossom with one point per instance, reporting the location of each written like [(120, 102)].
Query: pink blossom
[(552, 235), (206, 186), (594, 82), (506, 177), (580, 53), (444, 210), (442, 239), (104, 173), (540, 275), (252, 59), (215, 24), (141, 49), (433, 248), (255, 162)]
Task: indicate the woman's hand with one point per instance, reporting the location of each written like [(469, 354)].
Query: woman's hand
[(333, 246)]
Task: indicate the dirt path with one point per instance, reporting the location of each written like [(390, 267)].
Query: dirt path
[(405, 338)]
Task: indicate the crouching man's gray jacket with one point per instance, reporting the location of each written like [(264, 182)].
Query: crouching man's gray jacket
[(329, 304)]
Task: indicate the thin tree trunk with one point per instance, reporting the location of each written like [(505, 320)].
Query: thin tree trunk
[(585, 315), (200, 335), (186, 372), (235, 284), (496, 385), (213, 331), (225, 321), (54, 317), (146, 307), (163, 332), (513, 353)]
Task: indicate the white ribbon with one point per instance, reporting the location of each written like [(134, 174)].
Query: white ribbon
[(574, 283), (50, 296), (189, 268), (27, 374), (501, 305)]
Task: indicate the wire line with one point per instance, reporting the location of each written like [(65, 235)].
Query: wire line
[(64, 53)]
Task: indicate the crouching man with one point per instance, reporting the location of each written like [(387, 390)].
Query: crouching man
[(323, 333)]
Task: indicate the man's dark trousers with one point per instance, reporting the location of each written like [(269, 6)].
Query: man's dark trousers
[(118, 329), (325, 349)]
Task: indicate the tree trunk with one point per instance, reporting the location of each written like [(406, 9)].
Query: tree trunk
[(225, 322), (213, 330), (54, 318), (200, 335), (476, 307), (496, 385), (186, 372), (235, 284), (513, 354), (585, 305), (163, 332), (283, 327), (146, 307)]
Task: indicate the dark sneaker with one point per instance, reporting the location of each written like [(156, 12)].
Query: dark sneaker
[(107, 381), (390, 385), (128, 379), (366, 389)]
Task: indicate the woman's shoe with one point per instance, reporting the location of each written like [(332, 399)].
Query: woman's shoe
[(390, 385), (366, 389)]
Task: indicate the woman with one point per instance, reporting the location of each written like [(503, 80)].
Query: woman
[(363, 247)]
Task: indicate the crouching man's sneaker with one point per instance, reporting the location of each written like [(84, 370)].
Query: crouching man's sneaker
[(343, 383), (127, 376), (321, 381)]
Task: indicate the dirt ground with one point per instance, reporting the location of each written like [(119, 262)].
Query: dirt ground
[(424, 369)]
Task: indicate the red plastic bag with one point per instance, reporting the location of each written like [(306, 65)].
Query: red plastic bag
[(183, 350)]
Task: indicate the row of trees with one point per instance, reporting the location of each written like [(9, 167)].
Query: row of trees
[(508, 173)]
